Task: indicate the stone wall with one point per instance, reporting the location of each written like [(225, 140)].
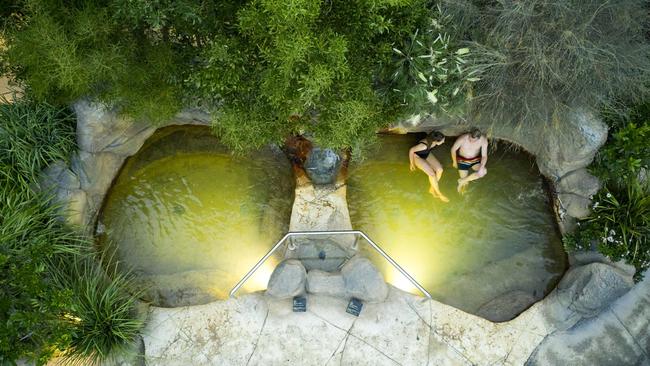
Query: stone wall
[(105, 139)]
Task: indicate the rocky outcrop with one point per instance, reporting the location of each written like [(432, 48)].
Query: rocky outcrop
[(287, 280), (105, 139), (586, 290), (617, 335)]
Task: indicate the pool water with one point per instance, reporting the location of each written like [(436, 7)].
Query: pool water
[(184, 209), (498, 239)]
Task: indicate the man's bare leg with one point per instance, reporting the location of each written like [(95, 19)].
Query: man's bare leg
[(463, 181), (461, 184), (433, 177)]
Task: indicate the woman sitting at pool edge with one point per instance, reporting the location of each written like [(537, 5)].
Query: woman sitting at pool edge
[(420, 156)]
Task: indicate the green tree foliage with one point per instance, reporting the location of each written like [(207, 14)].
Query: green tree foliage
[(53, 296), (537, 59), (429, 72), (265, 68)]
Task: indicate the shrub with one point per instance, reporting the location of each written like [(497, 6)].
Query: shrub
[(537, 59), (44, 308), (428, 71), (619, 226)]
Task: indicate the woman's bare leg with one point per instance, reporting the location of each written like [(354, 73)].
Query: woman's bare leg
[(433, 177)]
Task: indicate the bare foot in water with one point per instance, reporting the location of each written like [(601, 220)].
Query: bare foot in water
[(462, 185), (438, 195)]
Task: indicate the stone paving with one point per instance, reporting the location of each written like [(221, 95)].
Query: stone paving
[(256, 329)]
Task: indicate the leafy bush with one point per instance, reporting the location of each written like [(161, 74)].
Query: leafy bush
[(267, 69), (538, 59), (626, 153), (619, 226), (428, 72)]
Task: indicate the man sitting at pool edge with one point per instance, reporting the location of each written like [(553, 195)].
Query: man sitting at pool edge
[(470, 151)]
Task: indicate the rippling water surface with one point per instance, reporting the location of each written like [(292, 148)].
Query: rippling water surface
[(183, 209), (497, 239)]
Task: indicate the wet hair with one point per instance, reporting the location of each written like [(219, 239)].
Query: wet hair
[(435, 136), (475, 133)]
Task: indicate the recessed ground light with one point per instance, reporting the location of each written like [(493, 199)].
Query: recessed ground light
[(299, 304), (354, 307)]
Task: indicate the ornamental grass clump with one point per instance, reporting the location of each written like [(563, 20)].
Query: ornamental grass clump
[(103, 316), (539, 59), (55, 298)]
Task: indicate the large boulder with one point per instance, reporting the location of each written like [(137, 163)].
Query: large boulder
[(619, 335), (588, 289), (363, 280), (66, 187), (325, 283), (573, 146), (287, 280), (322, 165)]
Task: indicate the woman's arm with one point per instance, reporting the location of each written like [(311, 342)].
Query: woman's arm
[(418, 147)]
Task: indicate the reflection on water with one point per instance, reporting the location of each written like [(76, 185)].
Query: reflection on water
[(497, 238), (184, 205)]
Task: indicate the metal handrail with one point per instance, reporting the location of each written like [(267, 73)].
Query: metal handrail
[(334, 232)]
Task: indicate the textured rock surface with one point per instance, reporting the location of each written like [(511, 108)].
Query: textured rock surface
[(403, 330), (579, 182), (322, 165), (504, 307), (619, 335), (325, 283), (574, 205), (287, 280), (363, 280), (587, 289), (100, 129)]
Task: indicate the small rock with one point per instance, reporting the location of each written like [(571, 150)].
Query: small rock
[(579, 182), (575, 206), (287, 280), (363, 280), (322, 165), (325, 283)]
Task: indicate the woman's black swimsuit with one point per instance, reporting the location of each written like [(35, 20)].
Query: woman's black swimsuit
[(425, 153)]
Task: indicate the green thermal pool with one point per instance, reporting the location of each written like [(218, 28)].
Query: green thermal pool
[(186, 216), (497, 243)]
